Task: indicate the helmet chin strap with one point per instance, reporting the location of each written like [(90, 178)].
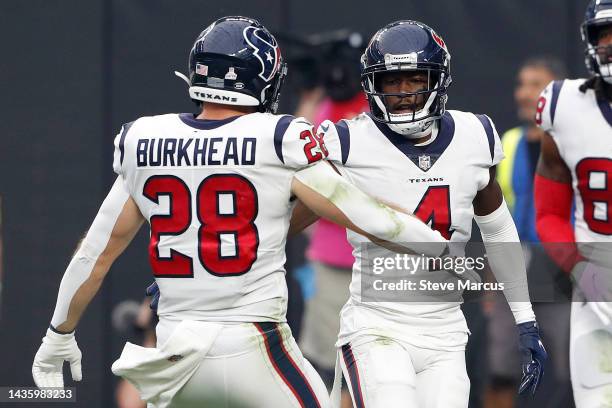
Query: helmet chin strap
[(433, 131), (410, 130), (414, 130), (606, 72)]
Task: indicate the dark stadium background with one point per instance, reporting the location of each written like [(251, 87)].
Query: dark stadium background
[(73, 71)]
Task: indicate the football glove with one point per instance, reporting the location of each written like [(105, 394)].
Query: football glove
[(153, 291), (533, 356), (49, 360), (595, 283)]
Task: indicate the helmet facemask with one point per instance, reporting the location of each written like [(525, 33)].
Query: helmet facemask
[(598, 57), (271, 94), (427, 104)]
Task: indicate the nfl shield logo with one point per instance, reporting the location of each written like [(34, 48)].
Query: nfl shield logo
[(424, 162)]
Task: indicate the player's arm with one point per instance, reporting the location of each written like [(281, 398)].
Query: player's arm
[(502, 243), (553, 186), (553, 202), (115, 225), (301, 218), (507, 263), (331, 196)]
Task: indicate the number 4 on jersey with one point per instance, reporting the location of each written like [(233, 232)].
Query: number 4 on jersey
[(435, 208)]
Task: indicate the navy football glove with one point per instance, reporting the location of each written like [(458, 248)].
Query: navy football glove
[(153, 291), (533, 356)]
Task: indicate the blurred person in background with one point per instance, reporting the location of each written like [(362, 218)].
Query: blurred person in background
[(329, 252), (549, 288), (325, 74), (142, 326), (575, 170)]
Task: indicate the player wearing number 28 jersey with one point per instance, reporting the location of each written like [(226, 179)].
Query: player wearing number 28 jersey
[(218, 191), (410, 151), (575, 166)]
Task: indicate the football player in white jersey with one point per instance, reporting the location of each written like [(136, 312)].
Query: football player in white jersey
[(575, 166), (217, 190), (441, 166)]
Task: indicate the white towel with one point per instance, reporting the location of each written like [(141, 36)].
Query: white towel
[(159, 373)]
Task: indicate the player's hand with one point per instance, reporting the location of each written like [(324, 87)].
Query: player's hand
[(49, 360), (533, 356), (595, 283), (153, 291)]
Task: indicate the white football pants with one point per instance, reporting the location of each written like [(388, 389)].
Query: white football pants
[(384, 372), (252, 365), (590, 357)]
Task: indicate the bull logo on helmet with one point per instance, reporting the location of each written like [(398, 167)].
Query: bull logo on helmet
[(438, 40), (265, 49)]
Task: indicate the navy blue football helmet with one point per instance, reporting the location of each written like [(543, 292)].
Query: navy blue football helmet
[(598, 58), (407, 46), (236, 61)]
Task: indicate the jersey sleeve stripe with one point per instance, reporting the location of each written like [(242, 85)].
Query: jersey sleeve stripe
[(556, 90), (345, 139), (279, 132), (486, 123), (126, 127)]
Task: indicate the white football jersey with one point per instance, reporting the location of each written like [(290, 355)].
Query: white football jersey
[(581, 127), (217, 195), (437, 182)]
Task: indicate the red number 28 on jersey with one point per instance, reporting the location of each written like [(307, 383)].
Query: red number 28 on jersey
[(315, 149), (226, 207)]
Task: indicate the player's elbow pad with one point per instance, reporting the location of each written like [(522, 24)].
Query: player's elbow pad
[(506, 259)]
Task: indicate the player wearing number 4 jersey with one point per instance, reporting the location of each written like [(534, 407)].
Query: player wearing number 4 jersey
[(576, 166), (440, 164), (217, 190)]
